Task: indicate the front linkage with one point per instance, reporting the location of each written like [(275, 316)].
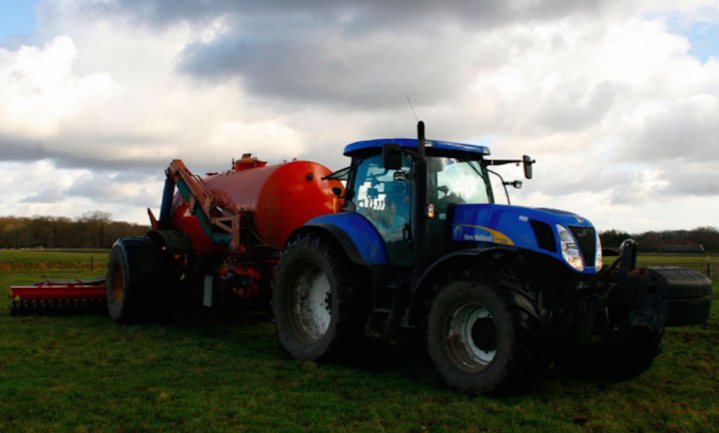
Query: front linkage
[(622, 316)]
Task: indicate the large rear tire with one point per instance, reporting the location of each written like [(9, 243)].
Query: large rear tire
[(486, 339), (134, 279), (313, 298)]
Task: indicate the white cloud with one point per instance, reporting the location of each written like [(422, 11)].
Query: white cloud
[(40, 91)]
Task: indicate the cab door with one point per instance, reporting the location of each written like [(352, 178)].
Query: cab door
[(384, 197)]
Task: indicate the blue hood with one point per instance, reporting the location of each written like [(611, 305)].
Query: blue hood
[(523, 227)]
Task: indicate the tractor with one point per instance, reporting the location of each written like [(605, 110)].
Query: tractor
[(500, 291)]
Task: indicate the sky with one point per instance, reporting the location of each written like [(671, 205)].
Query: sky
[(617, 101)]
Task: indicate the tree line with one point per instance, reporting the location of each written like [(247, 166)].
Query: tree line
[(667, 240), (94, 229)]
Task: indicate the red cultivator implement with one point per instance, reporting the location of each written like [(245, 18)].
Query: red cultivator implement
[(59, 297)]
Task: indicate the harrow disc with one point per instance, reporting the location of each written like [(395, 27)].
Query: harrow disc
[(51, 298)]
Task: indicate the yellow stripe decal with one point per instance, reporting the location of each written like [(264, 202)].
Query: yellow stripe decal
[(499, 237)]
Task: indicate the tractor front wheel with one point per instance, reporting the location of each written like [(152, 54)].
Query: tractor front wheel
[(483, 340)]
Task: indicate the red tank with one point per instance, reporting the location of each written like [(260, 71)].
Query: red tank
[(273, 200)]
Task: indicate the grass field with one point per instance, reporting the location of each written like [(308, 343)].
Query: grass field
[(228, 373)]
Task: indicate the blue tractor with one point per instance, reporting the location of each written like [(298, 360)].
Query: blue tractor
[(499, 291)]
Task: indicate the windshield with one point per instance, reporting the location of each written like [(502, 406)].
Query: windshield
[(456, 181)]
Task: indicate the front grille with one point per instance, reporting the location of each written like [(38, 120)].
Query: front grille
[(587, 240), (544, 234)]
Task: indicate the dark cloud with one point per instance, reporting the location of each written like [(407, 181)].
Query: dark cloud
[(702, 181), (56, 150), (308, 67), (369, 54), (572, 111), (104, 187), (686, 130), (46, 196), (21, 149), (366, 16), (592, 179)]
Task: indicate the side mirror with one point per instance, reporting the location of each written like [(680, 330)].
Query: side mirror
[(392, 156), (527, 162)]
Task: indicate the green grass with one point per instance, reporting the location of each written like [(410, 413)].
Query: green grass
[(92, 260), (228, 373)]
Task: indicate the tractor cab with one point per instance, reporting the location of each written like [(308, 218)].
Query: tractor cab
[(382, 187), (408, 190)]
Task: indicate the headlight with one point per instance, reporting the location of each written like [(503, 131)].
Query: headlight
[(598, 255), (570, 250)]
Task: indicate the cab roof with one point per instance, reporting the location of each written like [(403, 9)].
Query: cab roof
[(412, 143)]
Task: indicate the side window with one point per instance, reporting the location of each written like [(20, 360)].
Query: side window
[(383, 196)]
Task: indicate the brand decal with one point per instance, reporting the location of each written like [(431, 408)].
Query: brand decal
[(469, 232)]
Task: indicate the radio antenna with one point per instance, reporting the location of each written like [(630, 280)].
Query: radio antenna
[(411, 106)]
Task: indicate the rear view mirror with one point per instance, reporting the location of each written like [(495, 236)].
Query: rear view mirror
[(392, 156), (527, 162)]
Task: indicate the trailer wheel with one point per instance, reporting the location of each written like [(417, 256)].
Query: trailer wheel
[(484, 339), (133, 277), (613, 359), (313, 298)]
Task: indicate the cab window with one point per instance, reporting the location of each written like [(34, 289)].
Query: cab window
[(383, 196)]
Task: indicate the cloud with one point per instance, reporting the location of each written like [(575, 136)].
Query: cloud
[(685, 129), (46, 196), (366, 55), (693, 179), (607, 96), (40, 90), (367, 16)]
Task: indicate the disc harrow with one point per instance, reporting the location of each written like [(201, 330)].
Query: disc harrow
[(59, 297)]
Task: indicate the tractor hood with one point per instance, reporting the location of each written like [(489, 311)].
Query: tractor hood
[(539, 230)]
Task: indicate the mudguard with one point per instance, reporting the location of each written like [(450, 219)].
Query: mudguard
[(359, 238)]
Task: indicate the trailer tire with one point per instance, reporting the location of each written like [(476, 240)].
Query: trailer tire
[(614, 359), (134, 273), (313, 298), (487, 338)]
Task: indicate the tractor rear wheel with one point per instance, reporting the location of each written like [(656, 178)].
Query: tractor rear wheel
[(486, 339), (313, 298), (134, 273)]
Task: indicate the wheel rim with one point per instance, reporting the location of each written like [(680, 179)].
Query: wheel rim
[(471, 336), (311, 299), (118, 287)]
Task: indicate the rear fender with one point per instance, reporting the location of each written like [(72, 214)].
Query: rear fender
[(358, 237), (173, 241)]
